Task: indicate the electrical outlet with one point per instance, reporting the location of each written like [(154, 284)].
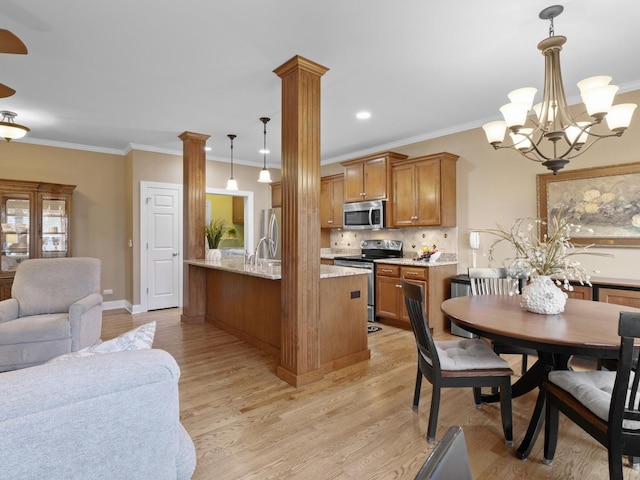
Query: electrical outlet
[(355, 294), (107, 291)]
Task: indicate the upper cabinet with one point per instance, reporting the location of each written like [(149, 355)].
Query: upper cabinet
[(35, 223), (331, 200), (367, 178), (276, 194), (423, 191)]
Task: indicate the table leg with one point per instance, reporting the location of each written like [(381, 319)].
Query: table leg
[(530, 380), (549, 362)]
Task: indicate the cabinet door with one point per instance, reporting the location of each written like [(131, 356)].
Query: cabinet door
[(54, 225), (628, 298), (581, 292), (16, 230), (375, 179), (405, 315), (427, 176), (354, 183), (326, 210), (238, 210), (387, 295), (403, 206), (337, 199), (276, 194)]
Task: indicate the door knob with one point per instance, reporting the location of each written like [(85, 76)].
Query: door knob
[(175, 254)]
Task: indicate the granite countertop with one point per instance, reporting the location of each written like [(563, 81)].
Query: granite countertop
[(270, 270), (415, 263)]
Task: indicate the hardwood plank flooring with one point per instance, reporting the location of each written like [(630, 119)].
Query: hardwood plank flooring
[(356, 423)]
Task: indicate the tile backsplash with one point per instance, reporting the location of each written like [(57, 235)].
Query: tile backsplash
[(446, 239)]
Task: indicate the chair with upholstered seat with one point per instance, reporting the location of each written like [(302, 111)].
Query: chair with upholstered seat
[(494, 281), (449, 460), (604, 404), (55, 308), (455, 363)]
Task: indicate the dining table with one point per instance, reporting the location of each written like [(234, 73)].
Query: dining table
[(586, 328)]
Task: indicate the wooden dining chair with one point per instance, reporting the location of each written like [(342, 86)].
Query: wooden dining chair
[(455, 363), (604, 404), (494, 281), (449, 460)]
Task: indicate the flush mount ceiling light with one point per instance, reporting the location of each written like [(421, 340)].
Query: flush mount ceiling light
[(265, 176), (363, 115), (9, 129), (231, 183), (554, 137)]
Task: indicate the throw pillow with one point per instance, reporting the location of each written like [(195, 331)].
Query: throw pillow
[(139, 338)]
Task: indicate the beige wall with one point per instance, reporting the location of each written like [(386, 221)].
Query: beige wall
[(98, 200)]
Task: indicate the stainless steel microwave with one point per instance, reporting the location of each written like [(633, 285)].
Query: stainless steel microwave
[(364, 215)]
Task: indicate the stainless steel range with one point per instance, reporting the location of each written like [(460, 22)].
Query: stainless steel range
[(371, 250)]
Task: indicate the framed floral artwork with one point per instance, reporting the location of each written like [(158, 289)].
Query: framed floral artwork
[(605, 202)]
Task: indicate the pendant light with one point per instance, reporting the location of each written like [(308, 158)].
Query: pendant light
[(9, 129), (231, 183), (265, 176)]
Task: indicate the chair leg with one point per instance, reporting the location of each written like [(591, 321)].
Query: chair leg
[(615, 463), (552, 419), (416, 395), (506, 413), (524, 364), (477, 397), (634, 462), (433, 413)]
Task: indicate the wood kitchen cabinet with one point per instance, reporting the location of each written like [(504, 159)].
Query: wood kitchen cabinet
[(368, 178), (276, 194), (423, 191), (35, 223), (238, 210), (390, 298), (331, 200), (619, 296)]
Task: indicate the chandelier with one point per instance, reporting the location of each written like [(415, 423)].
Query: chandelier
[(551, 136), (9, 129)]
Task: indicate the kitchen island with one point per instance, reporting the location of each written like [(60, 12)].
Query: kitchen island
[(245, 300)]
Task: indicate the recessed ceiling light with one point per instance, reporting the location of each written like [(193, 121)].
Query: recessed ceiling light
[(363, 115)]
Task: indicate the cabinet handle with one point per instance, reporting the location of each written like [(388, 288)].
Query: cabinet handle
[(386, 270), (330, 221), (411, 273), (398, 286)]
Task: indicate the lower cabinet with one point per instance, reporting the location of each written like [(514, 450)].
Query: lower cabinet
[(390, 299), (619, 296)]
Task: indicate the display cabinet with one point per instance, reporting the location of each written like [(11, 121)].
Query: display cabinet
[(35, 223)]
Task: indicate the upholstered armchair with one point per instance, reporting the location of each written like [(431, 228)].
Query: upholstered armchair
[(56, 308)]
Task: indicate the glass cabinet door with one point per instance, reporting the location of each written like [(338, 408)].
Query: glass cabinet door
[(15, 230), (55, 226)]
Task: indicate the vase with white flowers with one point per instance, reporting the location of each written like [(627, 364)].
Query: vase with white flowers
[(548, 259)]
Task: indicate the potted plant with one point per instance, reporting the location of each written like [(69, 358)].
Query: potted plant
[(215, 231)]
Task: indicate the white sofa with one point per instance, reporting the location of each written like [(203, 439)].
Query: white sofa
[(105, 416)]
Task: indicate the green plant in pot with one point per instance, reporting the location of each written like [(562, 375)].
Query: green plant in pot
[(215, 232)]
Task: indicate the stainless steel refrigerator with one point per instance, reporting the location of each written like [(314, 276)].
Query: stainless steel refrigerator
[(271, 232)]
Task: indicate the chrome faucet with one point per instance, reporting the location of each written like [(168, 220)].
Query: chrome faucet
[(256, 255)]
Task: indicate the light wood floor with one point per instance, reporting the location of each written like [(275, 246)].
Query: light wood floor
[(356, 423)]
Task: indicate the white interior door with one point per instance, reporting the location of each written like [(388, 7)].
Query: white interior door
[(163, 247)]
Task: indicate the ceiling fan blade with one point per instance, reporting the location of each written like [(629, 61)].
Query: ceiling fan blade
[(6, 91), (9, 43)]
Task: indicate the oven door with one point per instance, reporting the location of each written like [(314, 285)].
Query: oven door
[(371, 311)]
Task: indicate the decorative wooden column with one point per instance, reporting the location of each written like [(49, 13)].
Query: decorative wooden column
[(193, 207), (299, 355)]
